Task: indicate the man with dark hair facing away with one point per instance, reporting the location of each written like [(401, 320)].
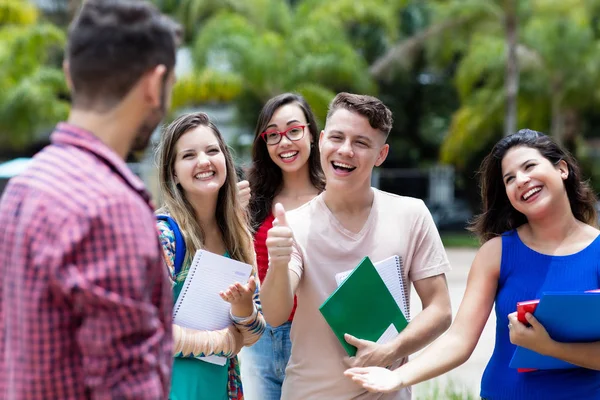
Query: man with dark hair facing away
[(85, 307)]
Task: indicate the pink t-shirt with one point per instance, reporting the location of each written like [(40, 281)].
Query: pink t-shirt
[(396, 225)]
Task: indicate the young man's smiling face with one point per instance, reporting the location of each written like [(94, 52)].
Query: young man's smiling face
[(350, 148)]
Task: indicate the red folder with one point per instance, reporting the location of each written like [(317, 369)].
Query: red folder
[(524, 307)]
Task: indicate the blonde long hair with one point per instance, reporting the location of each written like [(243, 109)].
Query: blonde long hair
[(231, 218)]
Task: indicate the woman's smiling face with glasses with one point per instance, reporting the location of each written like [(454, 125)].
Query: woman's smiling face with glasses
[(286, 138)]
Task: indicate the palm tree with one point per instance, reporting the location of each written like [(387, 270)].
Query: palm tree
[(484, 33), (548, 66), (248, 51), (558, 57), (565, 39), (511, 75)]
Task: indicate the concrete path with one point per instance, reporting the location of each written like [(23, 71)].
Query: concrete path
[(467, 376)]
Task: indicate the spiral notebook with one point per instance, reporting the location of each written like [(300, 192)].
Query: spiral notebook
[(199, 305), (391, 271)]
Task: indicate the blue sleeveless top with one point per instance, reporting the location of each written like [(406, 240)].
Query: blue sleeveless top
[(524, 275)]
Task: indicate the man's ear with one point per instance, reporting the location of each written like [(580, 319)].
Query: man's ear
[(383, 153), (153, 85), (67, 71)]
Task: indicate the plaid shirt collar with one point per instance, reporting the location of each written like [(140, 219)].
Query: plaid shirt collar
[(71, 135)]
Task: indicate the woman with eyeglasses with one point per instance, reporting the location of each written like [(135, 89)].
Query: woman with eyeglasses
[(285, 169)]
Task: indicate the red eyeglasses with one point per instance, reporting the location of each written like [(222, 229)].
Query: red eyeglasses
[(293, 133)]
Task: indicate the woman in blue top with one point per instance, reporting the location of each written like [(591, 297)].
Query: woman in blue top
[(198, 186), (538, 229)]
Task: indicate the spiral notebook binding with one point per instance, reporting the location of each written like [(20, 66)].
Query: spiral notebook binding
[(404, 286), (186, 284)]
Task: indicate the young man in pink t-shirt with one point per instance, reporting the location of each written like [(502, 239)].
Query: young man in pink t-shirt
[(331, 234)]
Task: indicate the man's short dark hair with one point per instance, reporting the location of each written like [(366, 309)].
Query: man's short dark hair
[(112, 43), (379, 116)]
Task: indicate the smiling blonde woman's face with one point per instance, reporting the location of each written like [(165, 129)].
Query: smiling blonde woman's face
[(200, 166)]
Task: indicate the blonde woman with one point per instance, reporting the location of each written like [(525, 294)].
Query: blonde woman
[(198, 185)]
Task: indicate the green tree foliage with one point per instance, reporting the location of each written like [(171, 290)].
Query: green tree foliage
[(270, 46), (558, 62), (32, 89), (245, 51), (557, 53)]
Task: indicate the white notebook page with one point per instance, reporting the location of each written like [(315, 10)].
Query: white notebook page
[(391, 274), (390, 334)]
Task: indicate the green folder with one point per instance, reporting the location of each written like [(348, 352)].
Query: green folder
[(362, 306)]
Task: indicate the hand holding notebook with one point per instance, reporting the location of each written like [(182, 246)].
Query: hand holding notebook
[(200, 305), (567, 317), (524, 307), (363, 307)]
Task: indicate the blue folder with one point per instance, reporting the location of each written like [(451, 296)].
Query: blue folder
[(568, 317)]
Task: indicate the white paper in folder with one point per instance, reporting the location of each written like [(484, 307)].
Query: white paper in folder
[(392, 274)]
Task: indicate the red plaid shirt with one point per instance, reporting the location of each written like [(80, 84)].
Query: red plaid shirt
[(86, 303)]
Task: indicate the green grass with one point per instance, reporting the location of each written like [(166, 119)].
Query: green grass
[(459, 239), (433, 390)]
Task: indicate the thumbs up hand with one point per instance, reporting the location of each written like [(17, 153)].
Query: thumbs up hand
[(280, 219), (280, 239)]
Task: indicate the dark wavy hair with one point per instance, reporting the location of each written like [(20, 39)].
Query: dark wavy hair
[(264, 175), (498, 215)]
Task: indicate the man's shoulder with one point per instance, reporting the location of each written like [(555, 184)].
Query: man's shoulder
[(74, 178), (397, 203), (70, 202), (305, 219), (303, 212)]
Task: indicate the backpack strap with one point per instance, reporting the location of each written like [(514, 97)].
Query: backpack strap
[(179, 242)]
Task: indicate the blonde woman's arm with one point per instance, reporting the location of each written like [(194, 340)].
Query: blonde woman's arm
[(252, 327), (246, 312), (190, 342)]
